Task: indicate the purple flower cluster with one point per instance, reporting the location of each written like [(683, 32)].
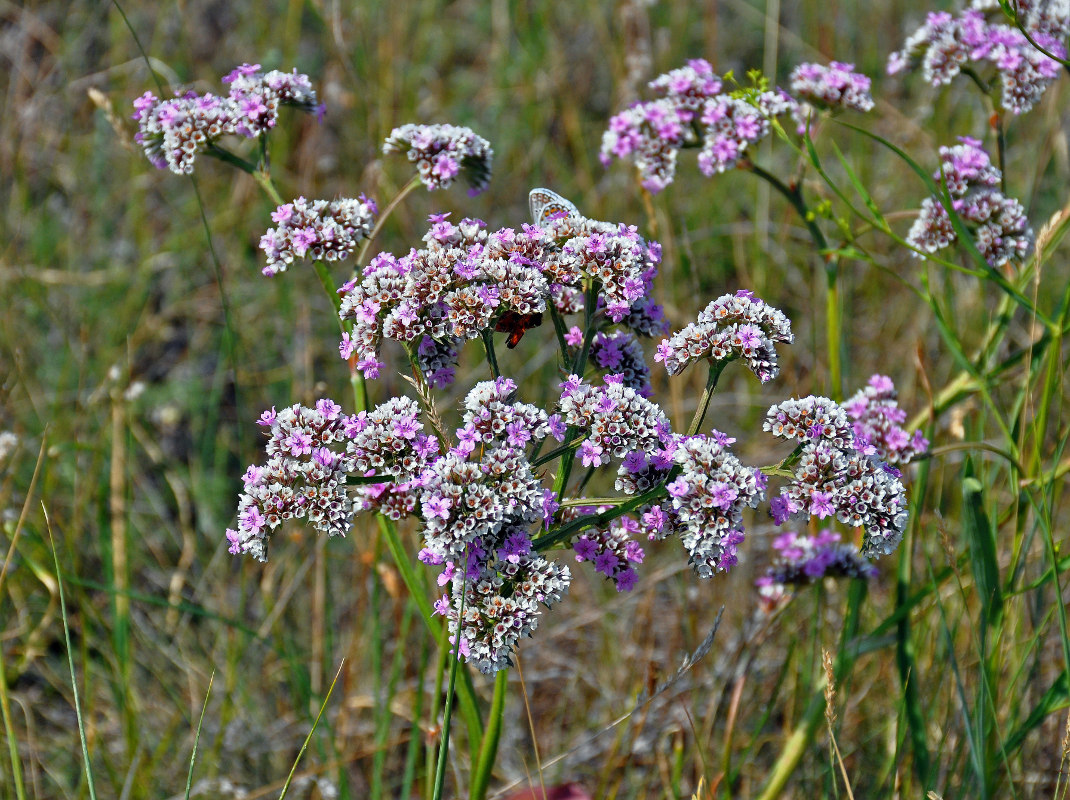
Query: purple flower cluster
[(438, 360), (732, 326), (1000, 228), (466, 280), (708, 498), (876, 419), (946, 43), (452, 290), (836, 475), (317, 230), (492, 418), (304, 477), (802, 560), (617, 260), (615, 419), (620, 353), (441, 152), (389, 441), (690, 112), (834, 88), (501, 602), (732, 123), (172, 132), (623, 263), (612, 551)]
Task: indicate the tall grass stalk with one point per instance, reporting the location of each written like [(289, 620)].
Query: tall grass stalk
[(86, 763)]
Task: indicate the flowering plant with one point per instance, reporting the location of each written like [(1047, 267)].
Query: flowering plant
[(499, 487)]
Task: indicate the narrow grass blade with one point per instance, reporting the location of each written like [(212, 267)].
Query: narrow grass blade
[(304, 745), (70, 661), (859, 187), (981, 541), (1056, 698), (197, 736)]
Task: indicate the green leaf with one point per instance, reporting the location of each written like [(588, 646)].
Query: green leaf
[(981, 541)]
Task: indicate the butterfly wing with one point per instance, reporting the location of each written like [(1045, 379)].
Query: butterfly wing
[(544, 203)]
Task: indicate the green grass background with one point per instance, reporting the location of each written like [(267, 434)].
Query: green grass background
[(116, 375)]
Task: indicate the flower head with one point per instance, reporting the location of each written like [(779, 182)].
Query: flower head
[(441, 152)]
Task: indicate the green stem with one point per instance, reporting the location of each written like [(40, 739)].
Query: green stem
[(590, 300), (9, 729), (327, 282), (803, 735), (569, 446), (215, 151), (716, 368), (466, 695), (264, 179), (833, 316), (406, 190), (600, 520), (488, 346), (833, 329), (488, 749), (447, 716), (559, 329)]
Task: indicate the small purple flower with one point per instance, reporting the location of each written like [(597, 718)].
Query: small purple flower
[(438, 507), (591, 454), (585, 549), (626, 580)]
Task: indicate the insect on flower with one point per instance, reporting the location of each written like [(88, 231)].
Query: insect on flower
[(515, 324), (545, 204)]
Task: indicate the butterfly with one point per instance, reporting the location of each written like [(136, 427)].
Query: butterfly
[(515, 324), (545, 204)]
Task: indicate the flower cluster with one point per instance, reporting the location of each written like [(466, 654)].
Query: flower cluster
[(946, 43), (708, 498), (616, 260), (836, 475), (612, 550), (317, 230), (802, 560), (732, 123), (835, 88), (492, 418), (499, 601), (450, 291), (172, 132), (732, 326), (1000, 228), (690, 111), (615, 419), (304, 477), (620, 353), (440, 152), (438, 360), (877, 418)]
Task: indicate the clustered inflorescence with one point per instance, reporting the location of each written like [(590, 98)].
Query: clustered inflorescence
[(172, 132), (833, 88), (317, 230), (837, 475), (732, 326), (802, 560), (947, 43), (466, 283), (480, 493), (441, 152), (692, 111), (1001, 230)]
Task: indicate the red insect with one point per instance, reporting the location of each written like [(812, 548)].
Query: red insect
[(515, 324)]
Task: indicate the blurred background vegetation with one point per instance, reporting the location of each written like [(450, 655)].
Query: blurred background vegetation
[(116, 374)]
